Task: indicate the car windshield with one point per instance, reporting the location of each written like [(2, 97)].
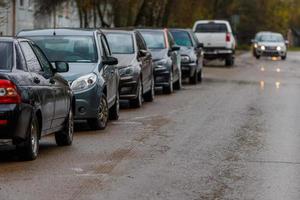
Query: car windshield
[(182, 38), (270, 38), (6, 53), (120, 43), (154, 39), (81, 49), (211, 28)]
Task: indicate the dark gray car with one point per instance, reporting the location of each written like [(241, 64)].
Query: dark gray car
[(166, 58), (135, 66), (191, 54), (92, 75)]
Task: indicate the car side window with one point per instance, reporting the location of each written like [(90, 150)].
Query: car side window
[(46, 65), (140, 42), (20, 60), (30, 57), (105, 46)]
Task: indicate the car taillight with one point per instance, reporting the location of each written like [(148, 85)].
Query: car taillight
[(228, 37), (9, 93)]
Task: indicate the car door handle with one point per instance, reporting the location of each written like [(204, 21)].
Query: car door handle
[(36, 80)]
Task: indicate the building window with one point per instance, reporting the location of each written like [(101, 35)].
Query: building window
[(21, 3), (30, 5)]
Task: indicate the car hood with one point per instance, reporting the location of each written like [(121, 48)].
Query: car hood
[(77, 70), (186, 50), (158, 54), (125, 59), (271, 44)]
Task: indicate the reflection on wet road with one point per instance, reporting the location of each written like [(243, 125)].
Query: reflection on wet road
[(236, 136)]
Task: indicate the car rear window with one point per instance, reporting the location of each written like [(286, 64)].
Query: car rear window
[(211, 28), (6, 54)]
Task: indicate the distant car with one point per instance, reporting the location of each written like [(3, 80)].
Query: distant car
[(191, 54), (93, 74), (34, 99), (218, 40), (135, 66), (166, 58), (270, 45)]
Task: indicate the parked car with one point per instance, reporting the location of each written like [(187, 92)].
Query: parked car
[(135, 66), (166, 58), (270, 45), (93, 75), (191, 54), (34, 99), (218, 40)]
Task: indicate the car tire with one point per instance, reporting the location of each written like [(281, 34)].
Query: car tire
[(283, 57), (29, 149), (257, 57), (200, 76), (178, 84), (100, 122), (150, 95), (65, 136), (229, 61), (115, 110), (169, 89), (194, 78), (138, 101)]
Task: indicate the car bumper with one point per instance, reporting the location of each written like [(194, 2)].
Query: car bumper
[(214, 53), (14, 122), (128, 87), (161, 76), (188, 69), (87, 103), (270, 53)]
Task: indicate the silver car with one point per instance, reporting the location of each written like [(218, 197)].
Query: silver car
[(269, 44)]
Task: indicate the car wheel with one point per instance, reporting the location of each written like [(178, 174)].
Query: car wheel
[(30, 148), (229, 61), (200, 76), (194, 78), (283, 57), (257, 57), (100, 122), (169, 89), (178, 84), (65, 136), (138, 101), (115, 110), (149, 96)]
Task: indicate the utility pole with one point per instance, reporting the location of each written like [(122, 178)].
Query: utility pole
[(14, 17)]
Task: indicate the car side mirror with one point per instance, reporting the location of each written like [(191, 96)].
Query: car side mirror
[(61, 67), (200, 45), (142, 53), (175, 48), (287, 42), (110, 61)]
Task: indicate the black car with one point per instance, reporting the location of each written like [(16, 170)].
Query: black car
[(166, 58), (135, 66), (34, 99), (191, 54), (93, 75)]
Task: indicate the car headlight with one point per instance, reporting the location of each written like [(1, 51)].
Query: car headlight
[(278, 48), (84, 82), (161, 62), (263, 48), (185, 59), (255, 46), (126, 71)]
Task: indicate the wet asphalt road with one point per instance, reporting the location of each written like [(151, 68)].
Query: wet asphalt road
[(236, 136)]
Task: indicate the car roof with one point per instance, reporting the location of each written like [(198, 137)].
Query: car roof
[(117, 30), (212, 21), (11, 39), (180, 29), (60, 31), (152, 29)]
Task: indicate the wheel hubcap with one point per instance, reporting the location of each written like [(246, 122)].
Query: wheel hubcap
[(71, 124), (103, 114), (34, 138)]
